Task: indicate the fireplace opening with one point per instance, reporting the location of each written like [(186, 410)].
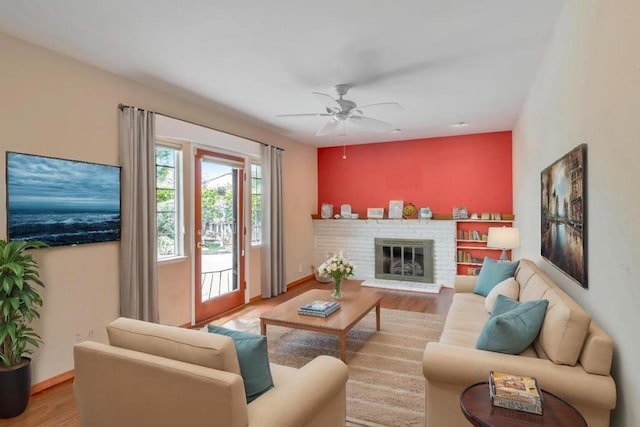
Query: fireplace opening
[(404, 259)]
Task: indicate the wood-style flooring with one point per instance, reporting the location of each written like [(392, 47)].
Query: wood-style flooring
[(56, 407)]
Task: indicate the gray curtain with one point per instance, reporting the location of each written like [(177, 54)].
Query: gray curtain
[(138, 274), (273, 272)]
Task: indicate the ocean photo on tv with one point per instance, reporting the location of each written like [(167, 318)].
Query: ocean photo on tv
[(62, 202)]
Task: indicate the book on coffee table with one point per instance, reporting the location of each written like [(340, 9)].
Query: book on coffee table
[(515, 392), (319, 308)]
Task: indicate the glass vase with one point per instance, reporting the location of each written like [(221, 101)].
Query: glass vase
[(337, 289)]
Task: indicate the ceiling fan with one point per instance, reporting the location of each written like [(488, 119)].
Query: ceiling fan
[(341, 110)]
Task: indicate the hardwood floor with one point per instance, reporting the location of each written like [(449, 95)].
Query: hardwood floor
[(56, 407)]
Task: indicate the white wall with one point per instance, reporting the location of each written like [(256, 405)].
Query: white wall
[(55, 106), (588, 91)]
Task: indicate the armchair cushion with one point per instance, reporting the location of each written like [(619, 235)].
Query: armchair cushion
[(253, 358), (513, 326)]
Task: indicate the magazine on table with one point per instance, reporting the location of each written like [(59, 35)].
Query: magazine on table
[(319, 308), (518, 392)]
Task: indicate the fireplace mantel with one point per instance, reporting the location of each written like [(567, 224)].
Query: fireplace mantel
[(355, 239)]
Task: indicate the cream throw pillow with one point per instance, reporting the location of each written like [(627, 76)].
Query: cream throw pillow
[(508, 287)]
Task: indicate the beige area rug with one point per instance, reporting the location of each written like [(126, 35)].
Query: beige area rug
[(386, 385)]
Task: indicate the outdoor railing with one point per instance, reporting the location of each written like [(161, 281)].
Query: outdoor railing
[(216, 278)]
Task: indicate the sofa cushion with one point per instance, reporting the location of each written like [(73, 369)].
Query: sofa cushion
[(172, 342), (253, 357), (492, 273), (566, 324), (513, 326), (508, 288)]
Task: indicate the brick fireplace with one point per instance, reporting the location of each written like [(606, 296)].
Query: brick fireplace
[(356, 240)]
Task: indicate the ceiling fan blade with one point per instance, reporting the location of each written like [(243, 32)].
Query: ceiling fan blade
[(389, 106), (328, 101), (328, 127), (304, 115), (371, 124)]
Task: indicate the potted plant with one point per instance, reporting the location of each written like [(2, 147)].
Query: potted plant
[(19, 303)]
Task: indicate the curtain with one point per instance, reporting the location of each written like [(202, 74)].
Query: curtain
[(138, 274), (273, 272)]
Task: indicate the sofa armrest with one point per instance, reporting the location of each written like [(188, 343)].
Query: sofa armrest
[(465, 284), (462, 366), (305, 396)]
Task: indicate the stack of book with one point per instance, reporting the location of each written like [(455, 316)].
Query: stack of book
[(515, 392), (319, 308)]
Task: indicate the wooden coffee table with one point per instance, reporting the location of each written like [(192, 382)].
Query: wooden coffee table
[(354, 305)]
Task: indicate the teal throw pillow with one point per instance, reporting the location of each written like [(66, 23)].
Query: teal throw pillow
[(253, 358), (513, 326), (492, 273)]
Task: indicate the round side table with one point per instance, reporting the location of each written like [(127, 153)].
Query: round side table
[(477, 408)]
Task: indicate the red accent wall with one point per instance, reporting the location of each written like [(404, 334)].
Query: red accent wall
[(468, 170)]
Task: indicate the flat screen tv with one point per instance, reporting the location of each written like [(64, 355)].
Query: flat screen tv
[(62, 202)]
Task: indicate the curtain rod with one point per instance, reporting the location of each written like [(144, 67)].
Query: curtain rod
[(122, 106)]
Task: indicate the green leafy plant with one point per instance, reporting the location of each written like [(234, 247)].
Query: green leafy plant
[(19, 300)]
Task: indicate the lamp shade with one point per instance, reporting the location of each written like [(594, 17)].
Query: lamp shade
[(503, 238)]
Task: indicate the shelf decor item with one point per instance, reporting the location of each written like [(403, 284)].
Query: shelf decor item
[(425, 213), (19, 304), (564, 210), (338, 267), (460, 212), (395, 209), (327, 211), (375, 213)]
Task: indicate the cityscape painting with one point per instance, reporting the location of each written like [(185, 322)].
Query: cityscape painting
[(62, 202), (563, 233)]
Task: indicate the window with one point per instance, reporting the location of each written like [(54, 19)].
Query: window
[(168, 202), (256, 204)]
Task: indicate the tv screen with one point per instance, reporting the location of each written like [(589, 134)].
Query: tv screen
[(62, 202)]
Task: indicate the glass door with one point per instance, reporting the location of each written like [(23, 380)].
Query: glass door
[(219, 251)]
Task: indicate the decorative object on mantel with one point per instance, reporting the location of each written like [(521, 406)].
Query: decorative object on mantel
[(564, 210), (338, 267), (375, 213), (345, 211), (327, 211), (409, 211), (460, 212), (425, 213), (395, 209)]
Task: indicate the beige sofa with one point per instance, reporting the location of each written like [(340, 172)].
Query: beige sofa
[(571, 357), (155, 375)]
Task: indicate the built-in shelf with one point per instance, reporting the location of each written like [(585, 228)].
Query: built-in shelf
[(471, 251)]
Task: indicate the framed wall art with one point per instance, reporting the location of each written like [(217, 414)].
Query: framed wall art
[(62, 202), (563, 239)]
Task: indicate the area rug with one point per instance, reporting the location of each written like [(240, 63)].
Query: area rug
[(386, 385)]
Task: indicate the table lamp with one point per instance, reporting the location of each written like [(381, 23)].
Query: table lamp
[(503, 238)]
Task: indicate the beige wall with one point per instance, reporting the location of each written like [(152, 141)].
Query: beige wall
[(588, 91), (55, 106)]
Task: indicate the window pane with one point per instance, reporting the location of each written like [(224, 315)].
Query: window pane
[(166, 201), (165, 156), (165, 177), (168, 210), (166, 223), (256, 204)]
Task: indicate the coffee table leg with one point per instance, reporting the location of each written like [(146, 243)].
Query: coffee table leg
[(343, 347), (263, 327), (378, 316)]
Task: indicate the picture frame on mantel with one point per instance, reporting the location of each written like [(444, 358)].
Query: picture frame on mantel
[(460, 212), (395, 209), (563, 237)]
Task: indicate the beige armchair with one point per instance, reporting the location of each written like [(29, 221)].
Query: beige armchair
[(156, 375)]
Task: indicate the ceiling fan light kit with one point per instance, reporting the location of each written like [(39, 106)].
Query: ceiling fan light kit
[(341, 110)]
